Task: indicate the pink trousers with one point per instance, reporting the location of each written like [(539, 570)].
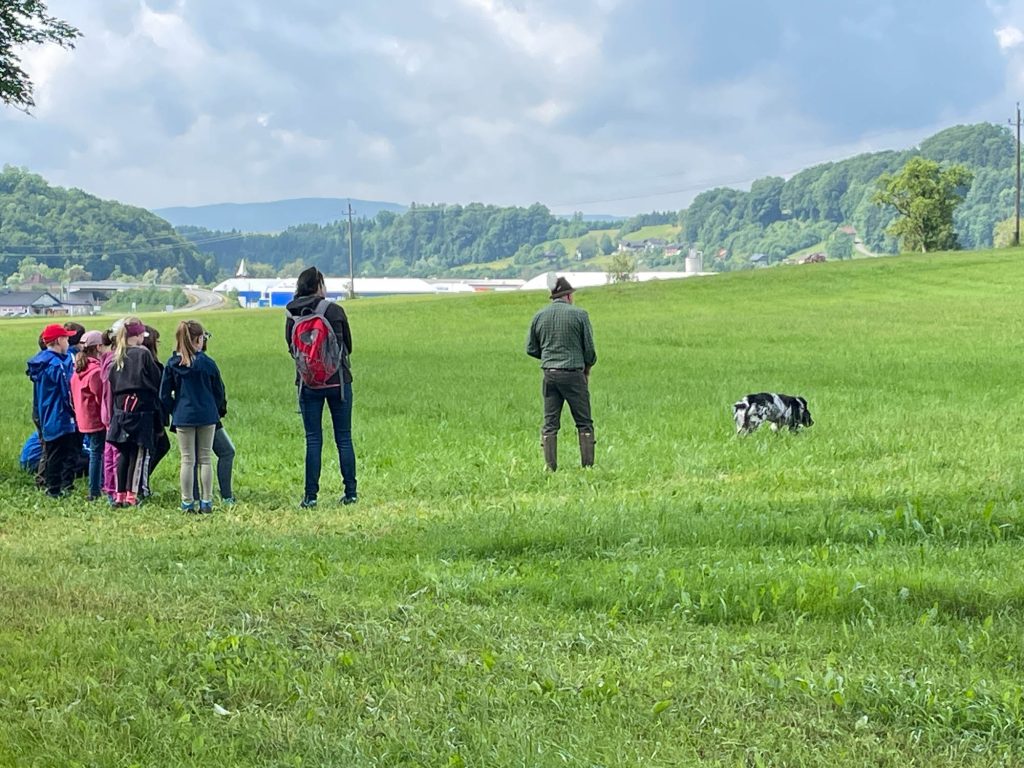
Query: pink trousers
[(109, 469)]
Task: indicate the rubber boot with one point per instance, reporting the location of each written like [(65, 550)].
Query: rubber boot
[(587, 447), (550, 445)]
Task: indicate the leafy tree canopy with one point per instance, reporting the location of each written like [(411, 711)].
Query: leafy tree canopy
[(61, 228), (26, 22), (924, 195)]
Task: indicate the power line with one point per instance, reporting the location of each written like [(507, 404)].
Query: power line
[(120, 250), (104, 244)]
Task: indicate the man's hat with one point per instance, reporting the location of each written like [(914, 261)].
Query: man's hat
[(561, 288), (53, 332)]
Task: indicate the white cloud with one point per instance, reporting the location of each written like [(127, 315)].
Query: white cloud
[(538, 36), (548, 111), (1009, 37)]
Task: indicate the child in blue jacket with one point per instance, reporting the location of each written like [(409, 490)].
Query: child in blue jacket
[(192, 392), (50, 372)]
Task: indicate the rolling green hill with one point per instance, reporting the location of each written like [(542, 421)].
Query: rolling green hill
[(850, 595), (62, 228)]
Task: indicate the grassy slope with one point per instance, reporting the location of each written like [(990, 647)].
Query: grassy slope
[(667, 232), (851, 595)]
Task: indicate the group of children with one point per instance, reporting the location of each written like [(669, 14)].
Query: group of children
[(110, 389)]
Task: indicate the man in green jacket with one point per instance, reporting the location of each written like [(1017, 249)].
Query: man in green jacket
[(562, 339)]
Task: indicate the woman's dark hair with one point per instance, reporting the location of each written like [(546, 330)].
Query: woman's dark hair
[(78, 329), (150, 342), (309, 281)]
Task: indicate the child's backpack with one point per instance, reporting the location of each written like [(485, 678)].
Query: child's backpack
[(318, 352)]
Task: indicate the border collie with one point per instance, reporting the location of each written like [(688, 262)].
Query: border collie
[(778, 410)]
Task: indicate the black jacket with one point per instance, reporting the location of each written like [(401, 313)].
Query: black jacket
[(306, 305), (139, 375)]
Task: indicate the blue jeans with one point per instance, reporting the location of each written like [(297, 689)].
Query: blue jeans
[(311, 405), (97, 441)]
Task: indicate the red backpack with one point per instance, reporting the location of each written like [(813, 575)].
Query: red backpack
[(318, 352)]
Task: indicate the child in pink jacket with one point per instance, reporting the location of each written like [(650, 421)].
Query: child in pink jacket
[(87, 397)]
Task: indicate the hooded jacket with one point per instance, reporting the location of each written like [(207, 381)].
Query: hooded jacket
[(193, 395), (306, 305), (87, 396), (107, 399), (51, 393)]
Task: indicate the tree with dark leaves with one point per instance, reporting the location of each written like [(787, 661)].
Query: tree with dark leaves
[(26, 22)]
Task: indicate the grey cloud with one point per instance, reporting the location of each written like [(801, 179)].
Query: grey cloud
[(456, 100)]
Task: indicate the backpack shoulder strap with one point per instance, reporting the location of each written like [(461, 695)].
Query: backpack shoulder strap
[(321, 307)]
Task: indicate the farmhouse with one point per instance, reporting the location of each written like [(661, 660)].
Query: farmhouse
[(30, 303)]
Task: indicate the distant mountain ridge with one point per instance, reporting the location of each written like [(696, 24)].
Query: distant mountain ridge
[(275, 215)]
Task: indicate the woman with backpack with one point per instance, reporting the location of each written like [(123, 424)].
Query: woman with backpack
[(192, 393), (320, 341)]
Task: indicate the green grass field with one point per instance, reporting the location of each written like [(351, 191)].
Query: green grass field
[(848, 596)]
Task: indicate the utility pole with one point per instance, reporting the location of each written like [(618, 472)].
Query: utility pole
[(1016, 228), (1016, 213), (351, 269)]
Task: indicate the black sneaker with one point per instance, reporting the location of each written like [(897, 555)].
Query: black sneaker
[(308, 503), (346, 500)]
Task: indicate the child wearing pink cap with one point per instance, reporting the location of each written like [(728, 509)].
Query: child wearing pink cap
[(87, 396)]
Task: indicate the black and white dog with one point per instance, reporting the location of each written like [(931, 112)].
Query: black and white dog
[(778, 410)]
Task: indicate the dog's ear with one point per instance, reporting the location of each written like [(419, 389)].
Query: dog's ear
[(739, 406)]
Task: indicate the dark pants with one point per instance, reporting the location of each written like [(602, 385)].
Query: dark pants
[(41, 466), (311, 405), (161, 447), (224, 450), (97, 442), (132, 468), (561, 387), (62, 456)]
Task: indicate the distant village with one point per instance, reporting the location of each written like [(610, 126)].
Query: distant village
[(87, 297)]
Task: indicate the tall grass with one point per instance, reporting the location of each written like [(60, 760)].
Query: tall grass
[(848, 596)]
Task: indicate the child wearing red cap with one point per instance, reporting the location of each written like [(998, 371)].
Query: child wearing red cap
[(50, 372)]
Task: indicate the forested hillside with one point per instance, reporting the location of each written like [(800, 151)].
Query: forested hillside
[(425, 240), (776, 218), (70, 230), (825, 207)]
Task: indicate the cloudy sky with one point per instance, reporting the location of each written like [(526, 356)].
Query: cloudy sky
[(608, 106)]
